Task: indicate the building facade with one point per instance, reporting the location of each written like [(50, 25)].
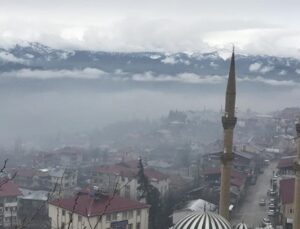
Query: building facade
[(91, 208), (126, 179), (9, 193)]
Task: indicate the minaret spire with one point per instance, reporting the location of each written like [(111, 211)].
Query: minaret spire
[(296, 220), (231, 89), (228, 121)]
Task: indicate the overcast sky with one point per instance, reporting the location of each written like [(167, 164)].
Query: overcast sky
[(256, 26)]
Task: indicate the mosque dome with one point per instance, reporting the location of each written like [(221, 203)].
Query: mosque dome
[(203, 220), (241, 226)]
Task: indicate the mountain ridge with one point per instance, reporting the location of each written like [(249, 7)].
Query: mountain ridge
[(36, 56)]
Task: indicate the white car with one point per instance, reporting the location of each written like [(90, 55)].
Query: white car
[(266, 221), (271, 212)]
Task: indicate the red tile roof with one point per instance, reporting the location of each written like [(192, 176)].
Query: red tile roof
[(9, 188), (286, 162), (87, 205), (286, 190)]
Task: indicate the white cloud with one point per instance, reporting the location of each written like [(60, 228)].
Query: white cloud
[(87, 73), (30, 56), (169, 60), (282, 73), (155, 57), (270, 82), (8, 57), (212, 64), (266, 69), (254, 67), (181, 78), (168, 26), (297, 71)]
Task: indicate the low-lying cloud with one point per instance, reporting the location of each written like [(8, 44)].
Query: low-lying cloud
[(180, 78), (146, 77), (270, 82), (8, 57), (87, 73)]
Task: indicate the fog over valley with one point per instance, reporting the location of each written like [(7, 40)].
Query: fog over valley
[(47, 91)]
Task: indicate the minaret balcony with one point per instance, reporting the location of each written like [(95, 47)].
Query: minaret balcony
[(228, 122)]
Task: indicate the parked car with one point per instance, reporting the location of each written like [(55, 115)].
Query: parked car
[(262, 202), (271, 212), (271, 206), (266, 221)]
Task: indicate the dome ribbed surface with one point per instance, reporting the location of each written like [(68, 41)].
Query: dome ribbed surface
[(241, 226), (204, 220)]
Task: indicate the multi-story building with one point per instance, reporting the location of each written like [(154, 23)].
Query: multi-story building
[(286, 198), (95, 209), (286, 166), (64, 179), (124, 177), (9, 193), (33, 207), (66, 157)]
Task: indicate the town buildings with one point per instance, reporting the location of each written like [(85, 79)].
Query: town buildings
[(99, 210), (123, 177), (64, 180)]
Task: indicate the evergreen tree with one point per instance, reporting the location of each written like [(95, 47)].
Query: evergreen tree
[(148, 192), (142, 180)]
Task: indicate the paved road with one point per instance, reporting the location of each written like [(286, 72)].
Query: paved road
[(250, 212)]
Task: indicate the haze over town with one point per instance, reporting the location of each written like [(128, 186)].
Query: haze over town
[(115, 114)]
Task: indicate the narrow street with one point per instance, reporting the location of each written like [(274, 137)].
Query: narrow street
[(250, 212)]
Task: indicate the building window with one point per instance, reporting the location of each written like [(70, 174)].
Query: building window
[(138, 212), (138, 225), (291, 210), (70, 216), (63, 212), (115, 216), (127, 191), (63, 225), (79, 218), (129, 226), (130, 214), (108, 217), (124, 215)]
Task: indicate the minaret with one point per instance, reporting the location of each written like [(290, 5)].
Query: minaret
[(228, 121), (296, 221)]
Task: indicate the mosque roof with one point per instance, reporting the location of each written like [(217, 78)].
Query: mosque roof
[(203, 220), (241, 226)]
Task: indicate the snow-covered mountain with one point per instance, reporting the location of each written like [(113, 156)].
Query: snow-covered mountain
[(35, 56)]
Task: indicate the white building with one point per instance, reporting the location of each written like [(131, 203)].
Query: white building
[(65, 180), (8, 204), (98, 210), (125, 176)]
